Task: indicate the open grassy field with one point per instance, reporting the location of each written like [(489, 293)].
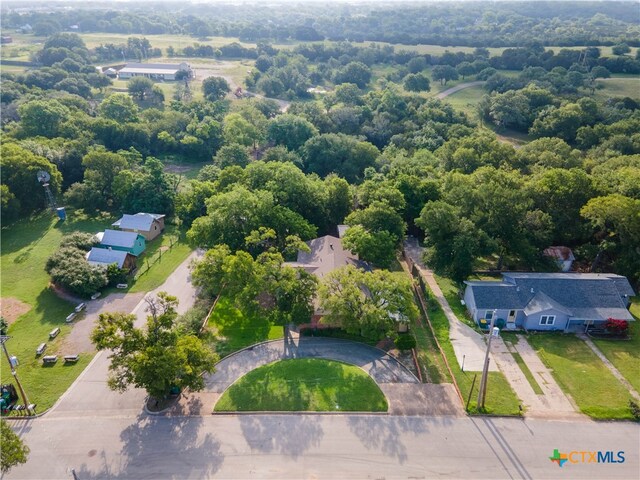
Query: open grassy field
[(302, 385), (582, 375), (625, 354), (26, 245), (234, 330), (619, 86)]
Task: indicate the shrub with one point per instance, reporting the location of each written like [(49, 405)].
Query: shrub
[(191, 321), (635, 409), (116, 275), (405, 341), (617, 327)]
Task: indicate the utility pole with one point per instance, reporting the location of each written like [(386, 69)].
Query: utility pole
[(482, 392), (3, 340)]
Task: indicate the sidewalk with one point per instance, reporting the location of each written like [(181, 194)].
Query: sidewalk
[(469, 346), (553, 403)]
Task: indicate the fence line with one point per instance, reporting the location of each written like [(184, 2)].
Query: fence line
[(157, 256)]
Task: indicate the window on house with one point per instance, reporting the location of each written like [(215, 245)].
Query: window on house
[(488, 315), (547, 319)]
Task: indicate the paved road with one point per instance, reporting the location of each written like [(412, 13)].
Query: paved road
[(319, 446), (457, 88)]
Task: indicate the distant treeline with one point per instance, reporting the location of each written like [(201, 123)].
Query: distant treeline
[(476, 24)]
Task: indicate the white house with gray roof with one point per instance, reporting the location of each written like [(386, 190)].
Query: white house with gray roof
[(550, 301)]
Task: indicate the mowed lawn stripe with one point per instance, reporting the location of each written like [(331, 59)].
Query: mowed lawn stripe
[(582, 375), (307, 384)]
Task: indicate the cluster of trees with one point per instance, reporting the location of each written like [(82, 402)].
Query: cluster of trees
[(479, 24), (70, 270), (138, 48), (160, 357)]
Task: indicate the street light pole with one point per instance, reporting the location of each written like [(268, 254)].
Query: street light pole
[(3, 340), (482, 392)]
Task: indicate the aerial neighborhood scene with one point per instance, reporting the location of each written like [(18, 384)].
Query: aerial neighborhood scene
[(366, 239)]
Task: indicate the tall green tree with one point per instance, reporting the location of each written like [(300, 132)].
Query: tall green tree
[(215, 88), (453, 242), (19, 179), (378, 248), (367, 303), (157, 357), (14, 451)]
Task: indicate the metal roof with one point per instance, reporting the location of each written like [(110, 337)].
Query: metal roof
[(117, 238), (587, 296), (154, 68), (139, 221), (104, 256)]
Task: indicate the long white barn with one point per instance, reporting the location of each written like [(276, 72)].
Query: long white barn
[(154, 71)]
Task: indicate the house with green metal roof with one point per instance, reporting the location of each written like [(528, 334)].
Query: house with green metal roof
[(549, 301), (130, 242)]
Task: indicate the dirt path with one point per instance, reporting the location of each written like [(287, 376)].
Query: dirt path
[(457, 88)]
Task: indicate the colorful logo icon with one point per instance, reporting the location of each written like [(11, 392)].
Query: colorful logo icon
[(559, 458)]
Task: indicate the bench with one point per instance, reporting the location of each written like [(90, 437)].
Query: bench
[(70, 317), (54, 333), (49, 359), (80, 307), (71, 358), (41, 348)]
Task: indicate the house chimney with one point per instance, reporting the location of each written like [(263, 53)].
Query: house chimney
[(531, 289), (331, 246)]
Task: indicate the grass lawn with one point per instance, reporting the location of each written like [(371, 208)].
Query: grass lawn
[(433, 368), (467, 99), (625, 354), (450, 290), (234, 330), (501, 399), (618, 86), (26, 245), (304, 384), (582, 375), (162, 260)]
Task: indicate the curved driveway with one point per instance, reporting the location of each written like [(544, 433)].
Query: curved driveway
[(382, 367)]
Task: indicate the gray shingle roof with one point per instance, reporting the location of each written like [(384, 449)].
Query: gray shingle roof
[(327, 254), (139, 221), (104, 256), (582, 296), (117, 238)]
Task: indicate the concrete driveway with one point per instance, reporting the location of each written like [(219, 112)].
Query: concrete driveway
[(382, 367)]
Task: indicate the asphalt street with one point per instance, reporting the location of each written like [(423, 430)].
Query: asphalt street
[(318, 446)]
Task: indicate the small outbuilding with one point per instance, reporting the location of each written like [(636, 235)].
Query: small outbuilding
[(130, 242), (150, 225), (562, 255), (105, 257)]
